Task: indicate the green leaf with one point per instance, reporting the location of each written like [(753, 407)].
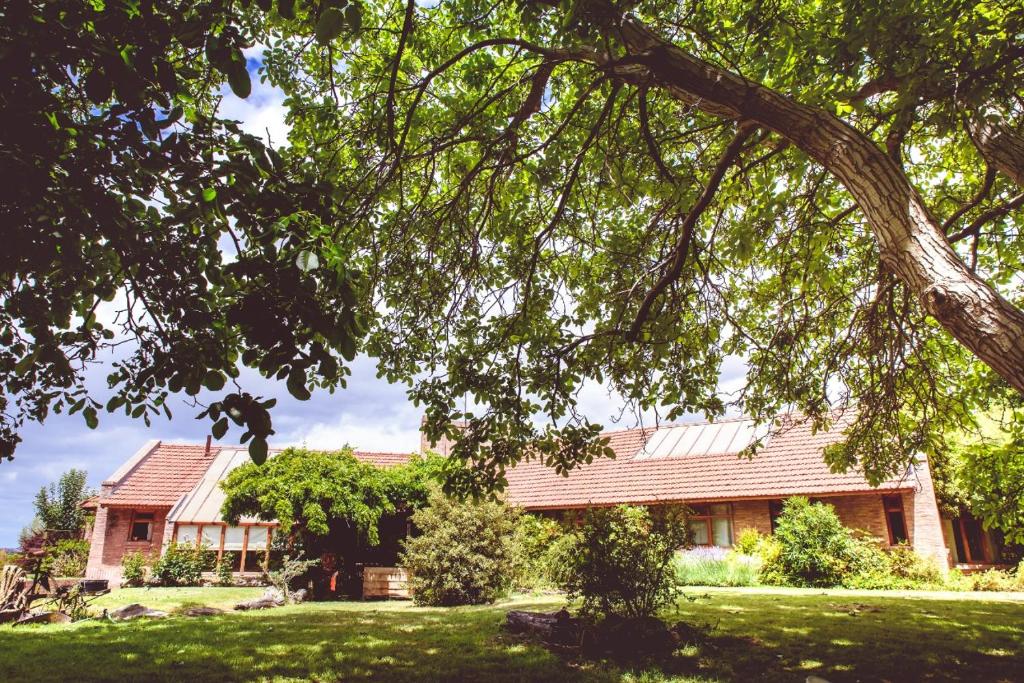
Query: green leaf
[(297, 385), (97, 87), (209, 194), (91, 420), (238, 77), (330, 25), (258, 450), (220, 428), (348, 346), (214, 381), (354, 15)]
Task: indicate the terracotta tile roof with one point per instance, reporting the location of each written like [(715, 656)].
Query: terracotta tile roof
[(382, 459), (161, 476), (790, 464)]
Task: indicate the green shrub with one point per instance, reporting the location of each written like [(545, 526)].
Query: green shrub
[(748, 542), (534, 541), (224, 576), (182, 564), (464, 553), (621, 561), (993, 580), (815, 548), (716, 567), (133, 569), (67, 557), (917, 571)]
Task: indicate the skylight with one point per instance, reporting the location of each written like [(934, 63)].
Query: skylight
[(716, 438)]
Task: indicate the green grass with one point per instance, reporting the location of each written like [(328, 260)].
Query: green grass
[(758, 634)]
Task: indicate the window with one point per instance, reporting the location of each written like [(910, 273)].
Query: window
[(142, 527), (774, 512), (895, 518), (712, 525)]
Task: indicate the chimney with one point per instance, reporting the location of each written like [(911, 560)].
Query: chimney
[(209, 438)]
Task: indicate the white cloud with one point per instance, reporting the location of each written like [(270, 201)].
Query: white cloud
[(392, 435)]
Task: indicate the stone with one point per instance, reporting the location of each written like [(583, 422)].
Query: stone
[(274, 595), (135, 611), (43, 618), (301, 595), (260, 603), (202, 611)]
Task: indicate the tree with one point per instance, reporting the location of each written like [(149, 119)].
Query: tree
[(983, 473), (308, 492), (507, 201), (59, 505)]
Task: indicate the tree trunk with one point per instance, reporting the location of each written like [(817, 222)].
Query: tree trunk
[(999, 146), (911, 243)]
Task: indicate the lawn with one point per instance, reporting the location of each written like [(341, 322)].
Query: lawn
[(757, 634)]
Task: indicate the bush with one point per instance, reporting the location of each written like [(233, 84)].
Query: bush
[(994, 580), (815, 549), (464, 553), (67, 557), (716, 567), (918, 571), (224, 575), (133, 569), (621, 561), (182, 564), (535, 541), (749, 542)]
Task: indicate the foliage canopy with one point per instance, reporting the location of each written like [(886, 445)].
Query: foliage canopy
[(308, 491), (509, 200)]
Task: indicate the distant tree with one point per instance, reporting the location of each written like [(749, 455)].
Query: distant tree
[(982, 473), (59, 505), (311, 493)]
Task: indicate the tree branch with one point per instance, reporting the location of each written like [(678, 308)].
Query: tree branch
[(682, 248)]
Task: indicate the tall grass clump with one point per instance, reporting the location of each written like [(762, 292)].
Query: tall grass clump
[(713, 566)]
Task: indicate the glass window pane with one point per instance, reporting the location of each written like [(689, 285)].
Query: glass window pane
[(257, 538), (699, 528), (211, 536), (233, 538), (722, 531), (720, 509), (187, 533)]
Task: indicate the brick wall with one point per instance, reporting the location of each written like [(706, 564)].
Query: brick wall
[(865, 513), (750, 514), (923, 521), (110, 541)]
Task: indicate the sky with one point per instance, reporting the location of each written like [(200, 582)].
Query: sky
[(369, 414)]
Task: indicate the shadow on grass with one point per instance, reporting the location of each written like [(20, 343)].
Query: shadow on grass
[(753, 638)]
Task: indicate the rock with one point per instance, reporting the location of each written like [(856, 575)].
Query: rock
[(43, 618), (135, 611), (202, 611), (273, 594), (261, 603), (301, 595), (816, 679)]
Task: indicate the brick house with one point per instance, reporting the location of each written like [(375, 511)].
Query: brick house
[(170, 492)]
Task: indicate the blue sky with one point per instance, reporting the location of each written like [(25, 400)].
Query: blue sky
[(370, 414)]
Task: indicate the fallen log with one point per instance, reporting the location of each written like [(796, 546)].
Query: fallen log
[(559, 627)]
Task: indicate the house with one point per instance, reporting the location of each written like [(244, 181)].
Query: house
[(170, 492)]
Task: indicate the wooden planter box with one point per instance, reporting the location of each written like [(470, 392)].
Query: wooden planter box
[(385, 582)]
